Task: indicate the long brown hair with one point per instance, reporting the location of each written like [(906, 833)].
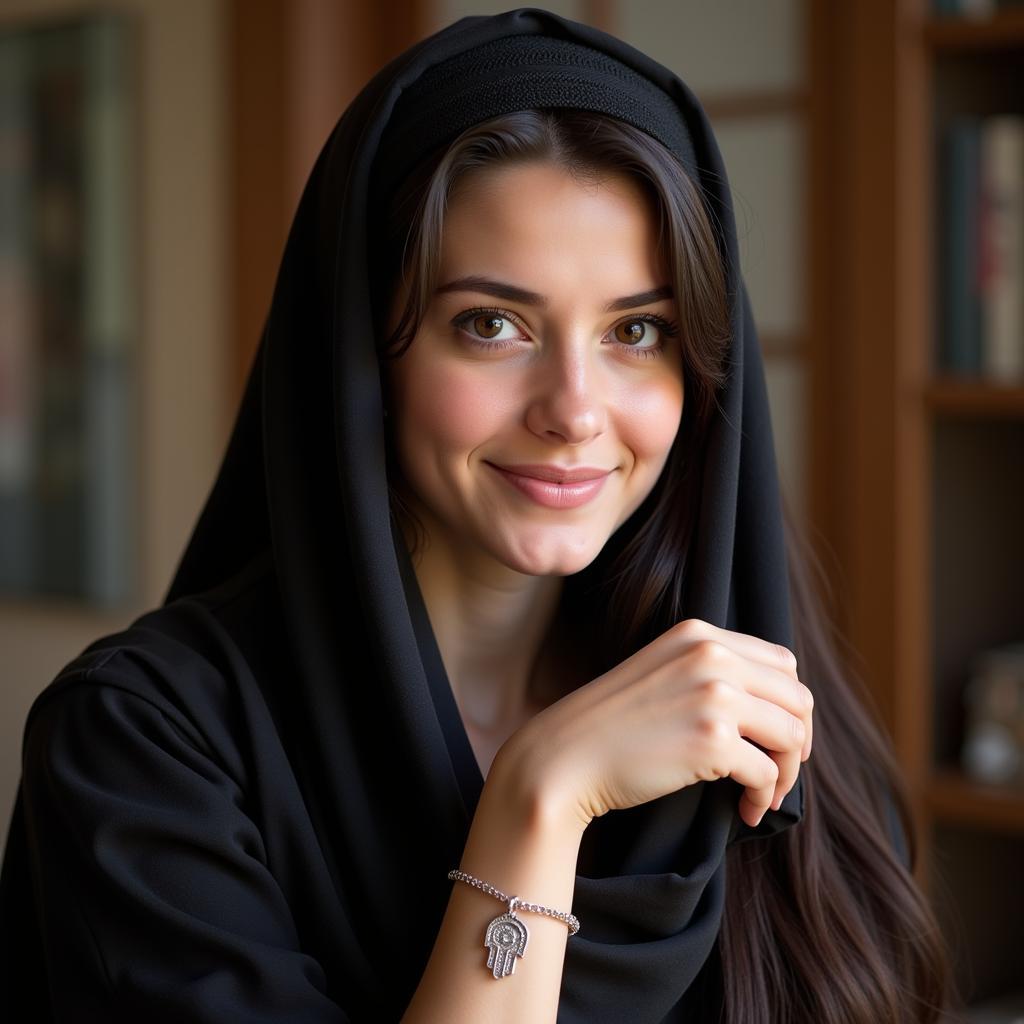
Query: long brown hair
[(828, 924)]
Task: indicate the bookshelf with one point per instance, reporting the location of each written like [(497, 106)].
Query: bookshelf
[(954, 396), (919, 469), (954, 800), (972, 67)]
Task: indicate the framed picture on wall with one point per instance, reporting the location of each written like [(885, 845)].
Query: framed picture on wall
[(68, 310)]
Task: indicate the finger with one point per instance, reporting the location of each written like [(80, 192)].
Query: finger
[(758, 774), (713, 659), (780, 735), (684, 635), (716, 661), (749, 646), (786, 692), (769, 725), (808, 736), (751, 811), (789, 769)]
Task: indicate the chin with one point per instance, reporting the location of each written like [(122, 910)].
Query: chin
[(546, 558)]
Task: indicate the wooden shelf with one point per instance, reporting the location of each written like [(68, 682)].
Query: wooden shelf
[(954, 799), (952, 34), (961, 396), (926, 497)]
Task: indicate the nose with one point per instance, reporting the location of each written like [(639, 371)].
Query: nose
[(567, 404)]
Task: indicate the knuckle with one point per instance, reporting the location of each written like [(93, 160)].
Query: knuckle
[(785, 655), (796, 729), (715, 692), (712, 730), (806, 697), (771, 773), (689, 630), (709, 652)]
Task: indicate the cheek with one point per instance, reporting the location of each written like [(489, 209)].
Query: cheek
[(649, 418), (447, 408)]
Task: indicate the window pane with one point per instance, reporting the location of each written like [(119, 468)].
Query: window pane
[(786, 379), (444, 12), (764, 160), (720, 46)]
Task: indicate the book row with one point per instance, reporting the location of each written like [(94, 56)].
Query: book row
[(981, 248)]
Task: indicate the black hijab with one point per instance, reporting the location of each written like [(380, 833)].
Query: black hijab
[(356, 690)]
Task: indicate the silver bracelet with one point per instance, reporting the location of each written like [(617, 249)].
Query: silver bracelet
[(506, 936)]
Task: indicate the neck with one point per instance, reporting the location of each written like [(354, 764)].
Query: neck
[(492, 628)]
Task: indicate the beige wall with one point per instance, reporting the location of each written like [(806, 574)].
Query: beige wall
[(182, 341)]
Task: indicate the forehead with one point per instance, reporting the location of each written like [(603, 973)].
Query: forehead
[(542, 213), (513, 184)]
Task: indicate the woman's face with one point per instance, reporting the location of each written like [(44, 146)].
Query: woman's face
[(536, 405)]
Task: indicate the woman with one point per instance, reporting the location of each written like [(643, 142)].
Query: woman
[(493, 578)]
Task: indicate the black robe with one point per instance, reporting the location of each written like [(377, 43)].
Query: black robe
[(243, 807)]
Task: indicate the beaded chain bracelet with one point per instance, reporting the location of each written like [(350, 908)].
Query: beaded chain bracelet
[(506, 936)]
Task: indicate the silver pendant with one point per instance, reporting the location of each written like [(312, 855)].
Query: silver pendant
[(506, 939)]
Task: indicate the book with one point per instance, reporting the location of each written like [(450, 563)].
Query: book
[(959, 217), (974, 9), (977, 8), (1002, 182)]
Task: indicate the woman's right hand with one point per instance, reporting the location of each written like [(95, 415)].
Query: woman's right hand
[(688, 707)]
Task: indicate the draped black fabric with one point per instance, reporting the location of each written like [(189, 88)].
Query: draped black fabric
[(244, 806)]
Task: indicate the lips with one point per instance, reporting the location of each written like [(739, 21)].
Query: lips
[(556, 474), (555, 486)]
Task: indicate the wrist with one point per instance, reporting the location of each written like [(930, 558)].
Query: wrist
[(527, 788)]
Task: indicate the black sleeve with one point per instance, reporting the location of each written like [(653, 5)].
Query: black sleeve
[(154, 897)]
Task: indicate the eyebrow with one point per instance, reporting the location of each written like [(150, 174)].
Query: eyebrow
[(513, 293)]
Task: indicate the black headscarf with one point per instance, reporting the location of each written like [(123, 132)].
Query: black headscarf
[(356, 688)]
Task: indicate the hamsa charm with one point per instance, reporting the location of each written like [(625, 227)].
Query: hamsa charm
[(505, 939)]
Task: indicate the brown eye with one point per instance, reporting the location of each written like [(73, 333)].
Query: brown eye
[(631, 332), (488, 326)]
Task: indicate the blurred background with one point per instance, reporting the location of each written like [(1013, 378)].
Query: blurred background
[(152, 153)]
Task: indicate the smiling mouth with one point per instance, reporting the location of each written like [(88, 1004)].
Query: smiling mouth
[(556, 474), (556, 493)]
